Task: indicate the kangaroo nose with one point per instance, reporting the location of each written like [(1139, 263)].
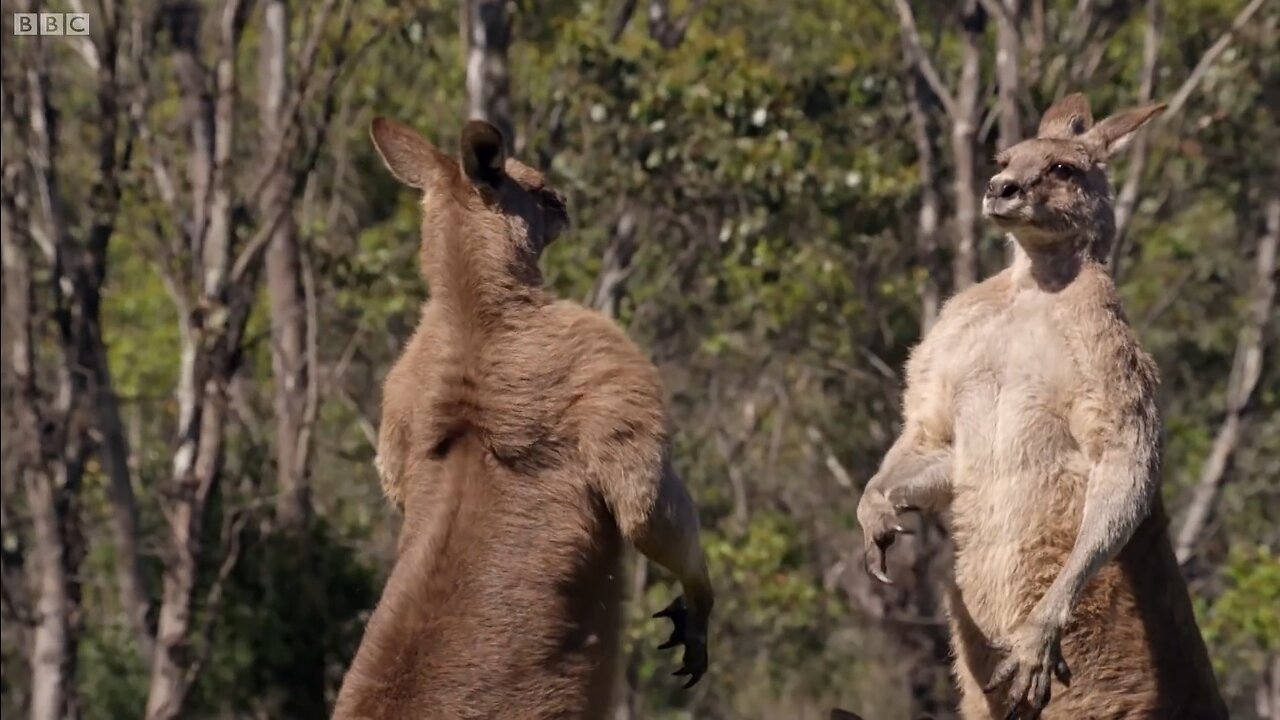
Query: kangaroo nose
[(1002, 187)]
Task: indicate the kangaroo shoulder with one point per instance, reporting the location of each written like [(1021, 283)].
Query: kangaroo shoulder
[(611, 374)]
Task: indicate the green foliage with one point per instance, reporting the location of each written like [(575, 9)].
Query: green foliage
[(1242, 622), (111, 673), (288, 626), (769, 164)]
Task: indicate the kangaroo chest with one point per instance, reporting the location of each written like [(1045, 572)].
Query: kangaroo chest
[(1018, 477), (1013, 388)]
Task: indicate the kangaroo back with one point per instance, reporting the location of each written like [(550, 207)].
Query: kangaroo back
[(503, 601)]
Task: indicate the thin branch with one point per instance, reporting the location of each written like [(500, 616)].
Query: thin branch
[(1246, 370), (843, 478), (366, 424), (231, 532), (1167, 299), (911, 36), (670, 33), (1210, 56), (252, 251), (615, 268), (1128, 197), (621, 19), (305, 80), (311, 408)]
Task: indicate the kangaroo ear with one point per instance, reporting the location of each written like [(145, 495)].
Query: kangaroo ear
[(1068, 118), (484, 155), (414, 161), (1116, 132)]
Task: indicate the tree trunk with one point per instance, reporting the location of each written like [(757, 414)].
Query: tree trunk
[(287, 306), (488, 35), (930, 201), (51, 653), (168, 682), (211, 332), (932, 692), (215, 297), (57, 598), (113, 450), (964, 130), (1267, 696), (113, 446), (196, 467), (1008, 15), (1008, 50), (52, 420)]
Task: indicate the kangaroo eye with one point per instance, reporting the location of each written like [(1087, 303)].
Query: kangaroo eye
[(1062, 171)]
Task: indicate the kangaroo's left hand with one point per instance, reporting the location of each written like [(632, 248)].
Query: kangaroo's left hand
[(1033, 659)]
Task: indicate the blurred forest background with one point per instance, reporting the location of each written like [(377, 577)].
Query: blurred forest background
[(207, 273)]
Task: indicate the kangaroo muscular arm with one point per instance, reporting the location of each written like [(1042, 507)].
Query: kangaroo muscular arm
[(1120, 491), (668, 535), (621, 418), (916, 472), (913, 477), (1119, 428), (655, 513), (650, 503)]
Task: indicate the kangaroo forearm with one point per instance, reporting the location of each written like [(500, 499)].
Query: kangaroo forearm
[(685, 560), (669, 536), (913, 478), (1116, 502)]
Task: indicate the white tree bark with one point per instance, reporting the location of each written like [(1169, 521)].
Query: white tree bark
[(930, 211), (51, 652), (962, 109), (488, 35), (291, 373), (209, 335), (964, 132), (215, 300)]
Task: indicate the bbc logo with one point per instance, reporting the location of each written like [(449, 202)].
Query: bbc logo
[(51, 23)]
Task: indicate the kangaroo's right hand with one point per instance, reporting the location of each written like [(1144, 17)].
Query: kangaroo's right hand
[(881, 525)]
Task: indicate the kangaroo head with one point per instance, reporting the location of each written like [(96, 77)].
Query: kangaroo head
[(1052, 190), (494, 210)]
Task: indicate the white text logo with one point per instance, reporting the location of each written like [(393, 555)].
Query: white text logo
[(51, 23)]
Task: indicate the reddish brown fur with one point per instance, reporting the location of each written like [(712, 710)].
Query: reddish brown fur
[(1031, 417), (525, 439)]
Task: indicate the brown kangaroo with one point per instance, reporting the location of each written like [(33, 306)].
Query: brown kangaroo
[(1030, 414), (525, 439)]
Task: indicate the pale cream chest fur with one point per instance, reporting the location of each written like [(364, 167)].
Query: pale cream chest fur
[(1018, 471)]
